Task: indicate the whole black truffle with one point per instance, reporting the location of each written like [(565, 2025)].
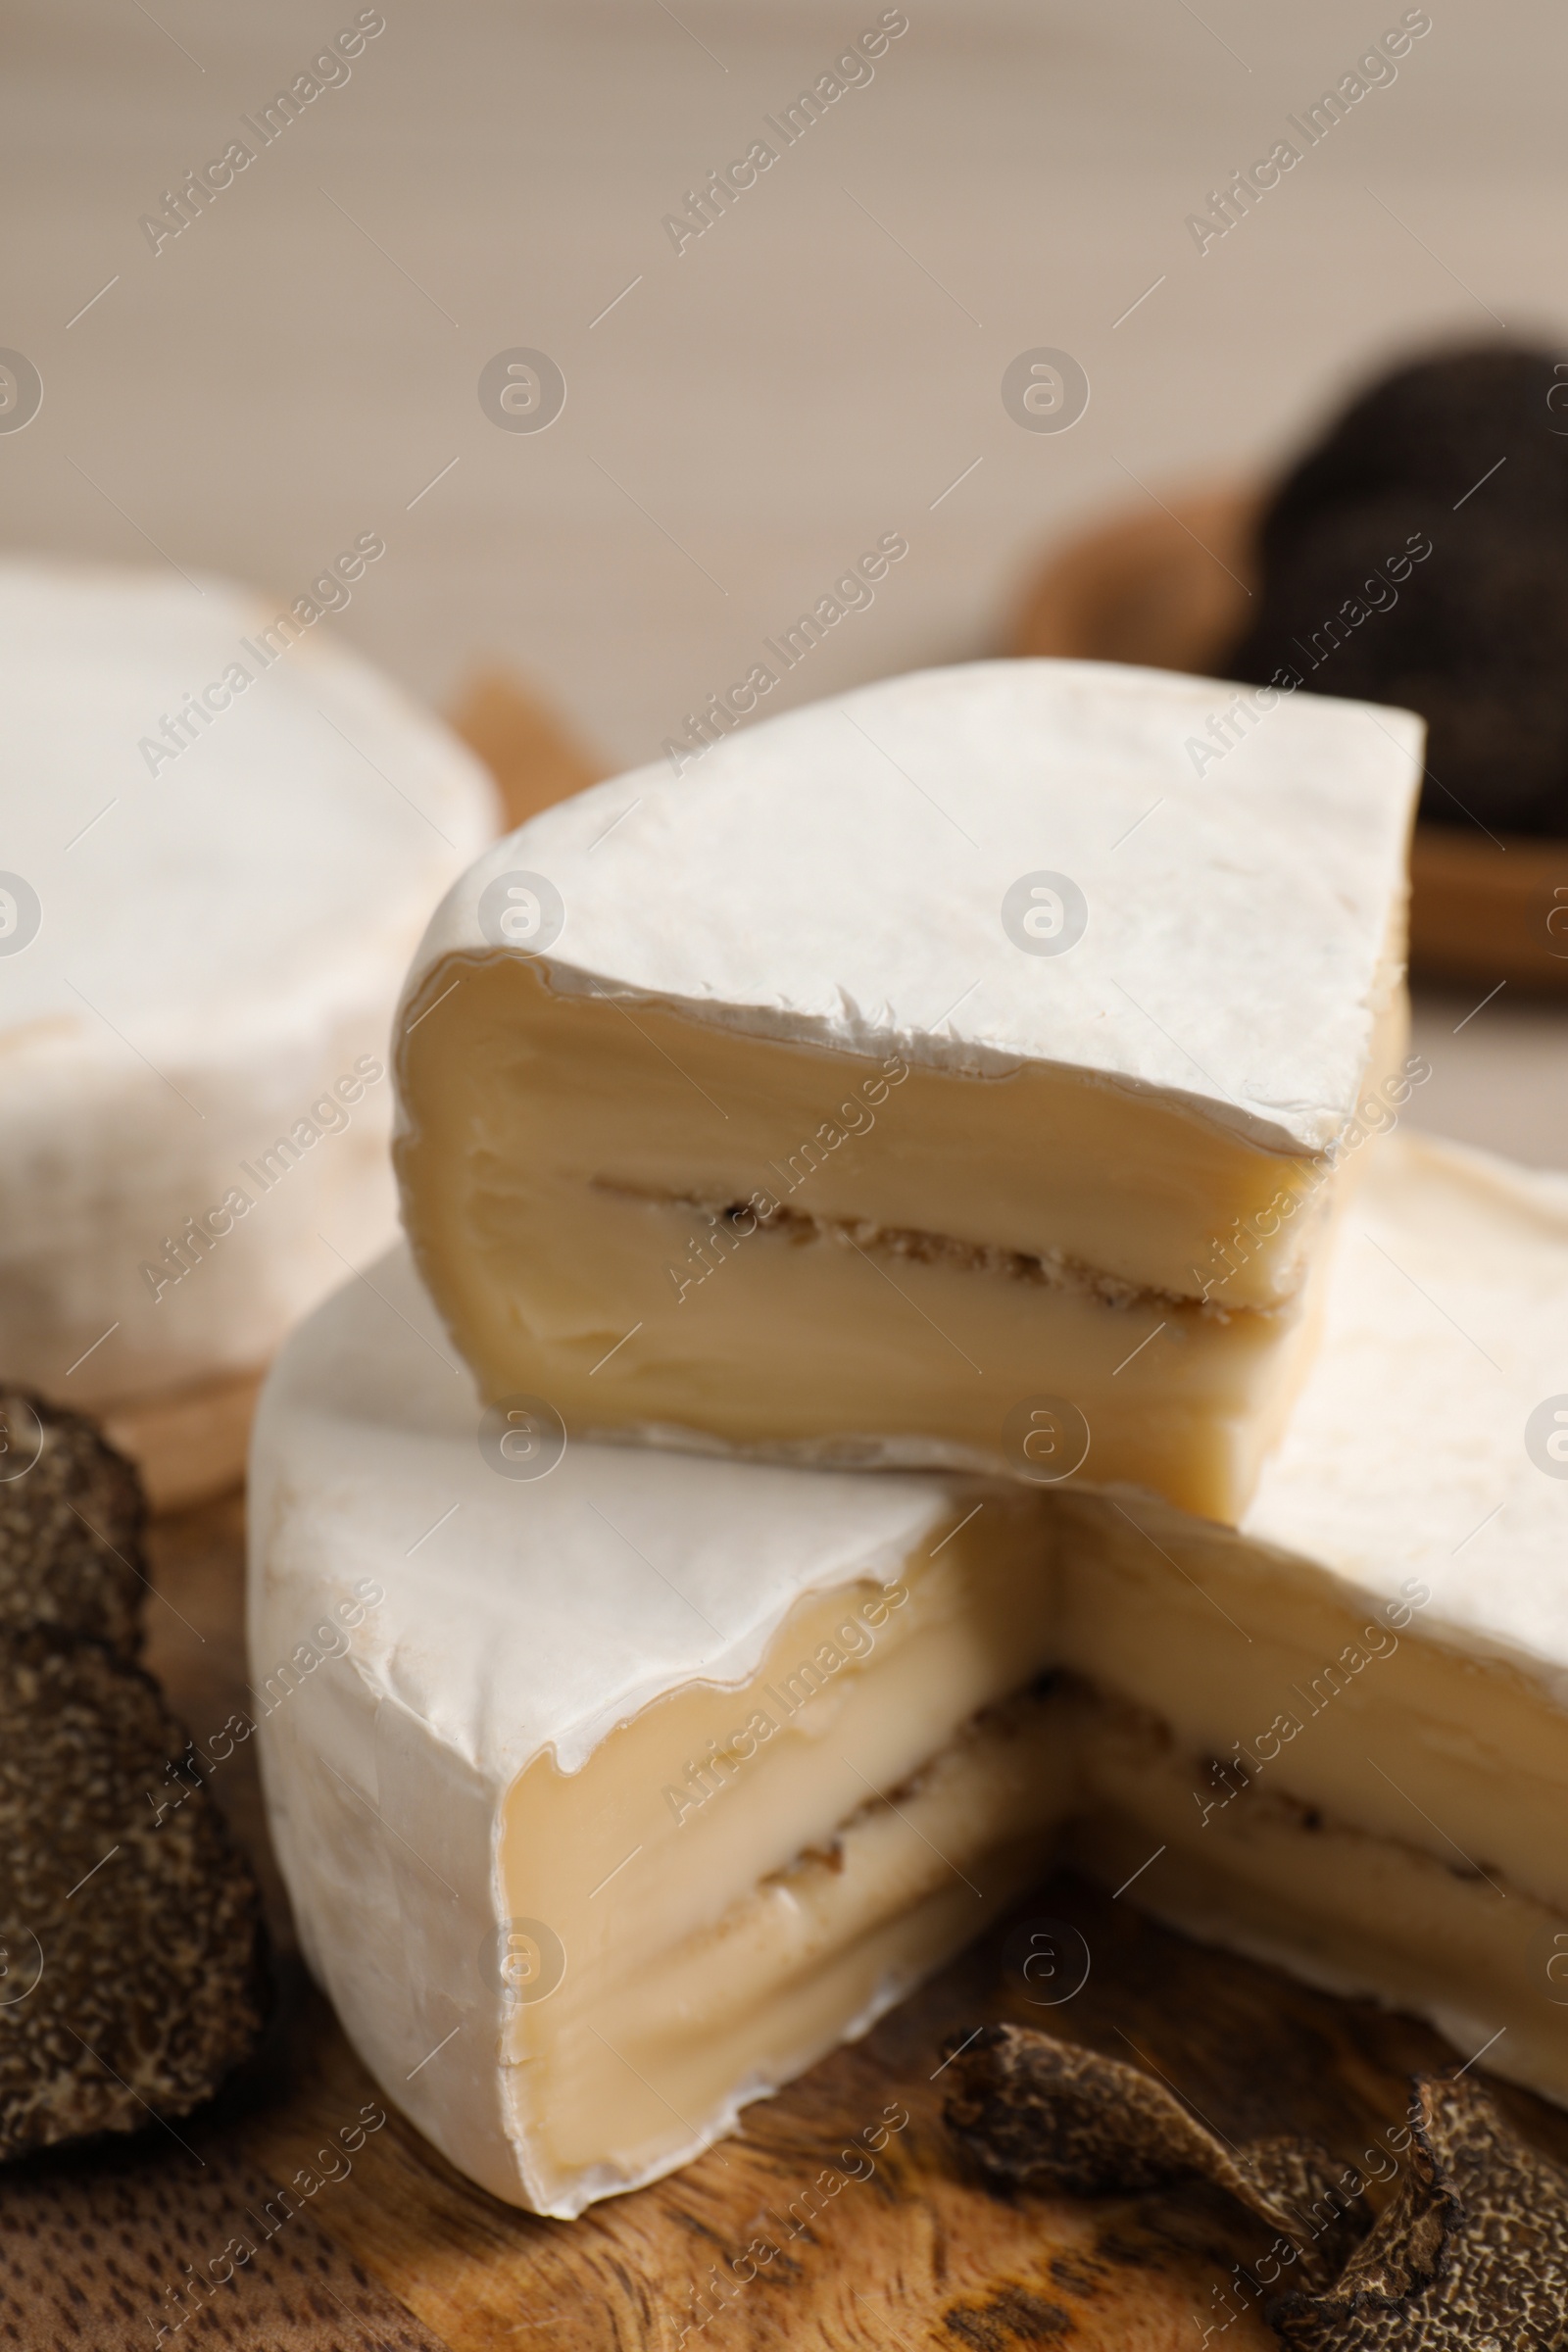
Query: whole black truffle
[(1419, 557)]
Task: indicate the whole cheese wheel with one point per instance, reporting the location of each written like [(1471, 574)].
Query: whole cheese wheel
[(222, 836)]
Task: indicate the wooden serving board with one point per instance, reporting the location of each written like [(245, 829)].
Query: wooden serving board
[(896, 2249), (1169, 589)]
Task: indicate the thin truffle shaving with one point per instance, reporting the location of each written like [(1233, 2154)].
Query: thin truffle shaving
[(1471, 2253), (1049, 1270)]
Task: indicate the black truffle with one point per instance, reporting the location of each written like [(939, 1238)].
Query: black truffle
[(1419, 557), (129, 1922), (131, 1977), (71, 1517)]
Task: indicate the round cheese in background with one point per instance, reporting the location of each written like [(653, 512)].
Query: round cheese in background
[(220, 837)]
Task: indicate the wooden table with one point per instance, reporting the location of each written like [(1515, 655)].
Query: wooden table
[(401, 2252)]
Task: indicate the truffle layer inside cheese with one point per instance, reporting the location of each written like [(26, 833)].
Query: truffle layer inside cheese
[(1399, 1916), (832, 1093), (644, 1780), (790, 1850), (1268, 1674), (614, 1248), (636, 1786), (1345, 1727), (645, 2035)]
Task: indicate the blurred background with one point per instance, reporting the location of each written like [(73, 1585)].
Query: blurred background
[(300, 363)]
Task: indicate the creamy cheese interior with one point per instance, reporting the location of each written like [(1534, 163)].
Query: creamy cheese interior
[(1311, 1891), (1263, 1666), (736, 1878), (1326, 1783), (610, 1203), (543, 1087), (649, 1778)]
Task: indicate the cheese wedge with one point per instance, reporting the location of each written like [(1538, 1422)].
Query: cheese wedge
[(959, 1036), (223, 839), (612, 1787), (611, 1797)]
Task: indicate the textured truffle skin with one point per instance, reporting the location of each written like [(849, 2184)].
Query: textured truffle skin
[(1434, 426), (129, 1923), (1466, 455), (1034, 2113), (72, 1519), (1469, 2255)]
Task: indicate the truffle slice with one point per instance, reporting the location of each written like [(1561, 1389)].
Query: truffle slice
[(130, 1970), (71, 1517), (1032, 2112), (1470, 2255), (1472, 2252)]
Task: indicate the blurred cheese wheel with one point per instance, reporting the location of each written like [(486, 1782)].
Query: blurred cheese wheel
[(220, 837)]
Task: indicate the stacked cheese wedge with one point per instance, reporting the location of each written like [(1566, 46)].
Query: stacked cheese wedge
[(917, 1354)]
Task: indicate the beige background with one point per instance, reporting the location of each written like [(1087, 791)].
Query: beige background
[(298, 364)]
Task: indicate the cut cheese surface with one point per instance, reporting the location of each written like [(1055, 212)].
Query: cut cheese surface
[(1346, 1725), (643, 1781), (222, 838), (771, 1046), (628, 1787)]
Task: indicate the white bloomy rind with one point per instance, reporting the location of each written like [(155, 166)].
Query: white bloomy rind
[(835, 876), (493, 1623), (226, 919), (516, 1617)]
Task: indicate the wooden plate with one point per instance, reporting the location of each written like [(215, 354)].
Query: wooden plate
[(188, 1444), (1169, 589)]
